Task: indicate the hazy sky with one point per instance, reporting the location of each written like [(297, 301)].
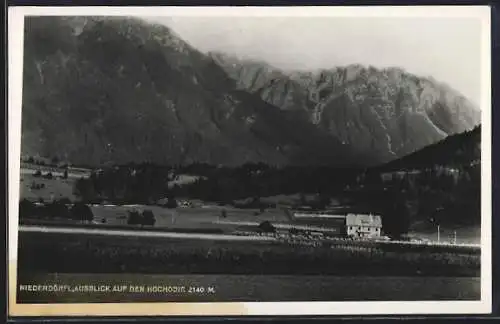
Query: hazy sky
[(448, 49)]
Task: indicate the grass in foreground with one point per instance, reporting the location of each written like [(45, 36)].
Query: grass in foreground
[(75, 253)]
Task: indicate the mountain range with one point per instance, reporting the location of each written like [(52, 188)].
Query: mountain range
[(115, 90)]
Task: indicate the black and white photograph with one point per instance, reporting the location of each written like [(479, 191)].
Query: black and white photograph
[(236, 156)]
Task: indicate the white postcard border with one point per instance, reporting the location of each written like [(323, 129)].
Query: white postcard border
[(15, 57)]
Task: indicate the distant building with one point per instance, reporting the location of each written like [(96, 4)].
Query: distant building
[(359, 225), (349, 224), (333, 224)]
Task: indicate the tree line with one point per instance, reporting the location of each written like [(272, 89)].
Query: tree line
[(55, 209), (148, 183), (435, 194), (64, 209)]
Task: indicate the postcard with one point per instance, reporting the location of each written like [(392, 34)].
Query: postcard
[(249, 160)]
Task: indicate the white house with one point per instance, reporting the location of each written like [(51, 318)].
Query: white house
[(359, 225)]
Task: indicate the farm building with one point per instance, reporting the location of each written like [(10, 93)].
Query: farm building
[(359, 225), (332, 224)]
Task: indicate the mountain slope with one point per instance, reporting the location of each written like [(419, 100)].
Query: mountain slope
[(117, 90), (457, 150), (386, 113)]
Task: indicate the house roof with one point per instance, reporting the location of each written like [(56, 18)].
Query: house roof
[(363, 220)]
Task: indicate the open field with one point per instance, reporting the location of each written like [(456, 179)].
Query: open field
[(204, 217), (260, 288), (54, 188), (210, 217), (89, 253), (464, 234)]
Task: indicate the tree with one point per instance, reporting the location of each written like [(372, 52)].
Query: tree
[(288, 214), (303, 199), (81, 212), (267, 227), (171, 203), (65, 174), (85, 189), (224, 213), (55, 160), (27, 209), (134, 218), (57, 209), (148, 218), (34, 186), (65, 201), (396, 218)]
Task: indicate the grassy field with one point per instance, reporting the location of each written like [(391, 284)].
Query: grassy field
[(464, 234), (207, 217), (54, 188), (74, 253)]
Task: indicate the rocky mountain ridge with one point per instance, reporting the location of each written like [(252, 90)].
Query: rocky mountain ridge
[(119, 90), (104, 90), (387, 112)]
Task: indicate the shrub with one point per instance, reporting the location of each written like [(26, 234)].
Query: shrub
[(134, 218), (37, 173), (267, 227), (148, 218), (171, 203), (34, 186), (81, 212), (27, 209), (65, 201), (57, 209), (48, 176)]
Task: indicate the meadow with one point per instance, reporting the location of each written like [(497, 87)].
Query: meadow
[(74, 253), (52, 189), (204, 217)]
